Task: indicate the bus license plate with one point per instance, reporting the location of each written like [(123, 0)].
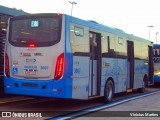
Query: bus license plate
[(31, 71)]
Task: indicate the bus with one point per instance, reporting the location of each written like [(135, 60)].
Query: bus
[(156, 59), (61, 56)]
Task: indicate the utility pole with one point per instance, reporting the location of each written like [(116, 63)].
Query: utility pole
[(156, 36)]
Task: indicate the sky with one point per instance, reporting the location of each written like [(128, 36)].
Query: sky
[(131, 16)]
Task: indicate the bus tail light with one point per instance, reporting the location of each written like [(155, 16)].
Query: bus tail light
[(7, 65), (59, 67)]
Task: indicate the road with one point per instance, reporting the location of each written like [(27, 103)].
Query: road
[(149, 104), (55, 107)]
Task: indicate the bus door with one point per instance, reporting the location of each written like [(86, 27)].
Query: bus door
[(151, 66), (130, 79), (95, 64)]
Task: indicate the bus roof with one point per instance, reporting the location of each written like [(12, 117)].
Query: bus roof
[(105, 28)]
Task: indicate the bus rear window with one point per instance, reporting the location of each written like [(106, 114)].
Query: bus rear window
[(44, 31)]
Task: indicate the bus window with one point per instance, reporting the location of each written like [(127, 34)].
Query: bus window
[(121, 48), (109, 49), (104, 45), (137, 50), (93, 46), (79, 40), (43, 31), (156, 52), (79, 31), (144, 52)]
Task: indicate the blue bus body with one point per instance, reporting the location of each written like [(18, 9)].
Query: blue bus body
[(85, 57), (156, 59)]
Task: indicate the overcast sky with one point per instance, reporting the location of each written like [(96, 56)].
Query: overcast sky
[(132, 16)]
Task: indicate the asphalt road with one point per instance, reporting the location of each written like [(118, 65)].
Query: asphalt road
[(139, 108), (66, 106)]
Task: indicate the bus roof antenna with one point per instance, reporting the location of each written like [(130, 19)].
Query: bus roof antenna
[(73, 3)]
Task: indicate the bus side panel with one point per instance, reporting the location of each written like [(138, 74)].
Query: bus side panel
[(109, 69), (122, 74), (80, 77), (156, 78), (140, 70), (116, 69), (79, 41)]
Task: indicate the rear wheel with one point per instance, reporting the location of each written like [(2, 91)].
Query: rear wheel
[(108, 91), (144, 84)]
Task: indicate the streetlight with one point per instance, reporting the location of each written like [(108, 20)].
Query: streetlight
[(73, 3), (150, 30), (156, 36)]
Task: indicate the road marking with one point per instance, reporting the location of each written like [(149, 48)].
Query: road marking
[(97, 108)]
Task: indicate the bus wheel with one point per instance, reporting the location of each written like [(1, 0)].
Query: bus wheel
[(142, 90), (108, 91)]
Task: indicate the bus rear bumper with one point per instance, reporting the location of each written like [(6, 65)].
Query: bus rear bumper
[(46, 88)]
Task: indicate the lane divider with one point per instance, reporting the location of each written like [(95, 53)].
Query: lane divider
[(101, 107)]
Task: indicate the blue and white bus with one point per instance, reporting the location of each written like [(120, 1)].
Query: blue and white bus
[(156, 59), (60, 56)]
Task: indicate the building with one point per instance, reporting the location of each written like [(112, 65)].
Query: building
[(5, 13)]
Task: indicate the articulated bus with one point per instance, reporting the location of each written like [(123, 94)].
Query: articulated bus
[(60, 56), (156, 59)]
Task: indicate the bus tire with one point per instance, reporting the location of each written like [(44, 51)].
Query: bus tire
[(145, 79), (108, 91), (142, 90)]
